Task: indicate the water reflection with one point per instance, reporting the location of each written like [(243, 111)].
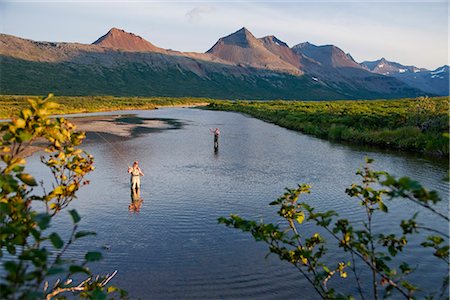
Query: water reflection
[(176, 249), (136, 201)]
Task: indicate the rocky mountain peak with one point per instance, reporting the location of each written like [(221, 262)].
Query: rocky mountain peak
[(116, 30), (386, 67), (326, 55), (303, 45), (246, 66), (243, 48), (271, 39), (119, 39), (241, 38)]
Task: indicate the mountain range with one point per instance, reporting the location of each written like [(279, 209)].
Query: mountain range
[(430, 81), (238, 66)]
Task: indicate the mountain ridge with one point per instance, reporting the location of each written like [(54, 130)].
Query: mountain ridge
[(242, 47), (430, 81), (122, 40), (238, 64), (385, 67)]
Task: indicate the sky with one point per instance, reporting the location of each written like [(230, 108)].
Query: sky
[(410, 32)]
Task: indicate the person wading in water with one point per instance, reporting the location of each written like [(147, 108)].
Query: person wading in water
[(216, 138), (135, 172)]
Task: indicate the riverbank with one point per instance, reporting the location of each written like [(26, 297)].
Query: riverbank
[(416, 125), (11, 105)]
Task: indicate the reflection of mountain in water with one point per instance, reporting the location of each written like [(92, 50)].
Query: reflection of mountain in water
[(116, 128)]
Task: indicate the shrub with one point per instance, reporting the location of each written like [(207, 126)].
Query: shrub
[(34, 260), (371, 257)]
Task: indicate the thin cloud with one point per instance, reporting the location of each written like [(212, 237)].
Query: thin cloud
[(195, 14)]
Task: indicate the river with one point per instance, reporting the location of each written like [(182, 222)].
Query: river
[(173, 247)]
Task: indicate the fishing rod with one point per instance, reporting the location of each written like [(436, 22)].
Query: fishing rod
[(112, 146)]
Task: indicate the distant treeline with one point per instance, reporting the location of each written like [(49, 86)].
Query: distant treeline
[(10, 105), (419, 124)]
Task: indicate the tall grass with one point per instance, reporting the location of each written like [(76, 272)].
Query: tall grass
[(416, 124), (406, 124)]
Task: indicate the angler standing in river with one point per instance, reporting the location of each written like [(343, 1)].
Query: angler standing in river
[(216, 138), (135, 172)]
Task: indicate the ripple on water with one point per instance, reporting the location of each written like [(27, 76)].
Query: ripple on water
[(174, 248)]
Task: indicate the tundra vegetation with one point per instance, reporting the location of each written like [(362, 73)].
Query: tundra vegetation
[(34, 260), (418, 124), (11, 105)]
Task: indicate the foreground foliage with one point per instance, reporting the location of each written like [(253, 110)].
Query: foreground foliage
[(371, 255), (406, 124), (34, 262)]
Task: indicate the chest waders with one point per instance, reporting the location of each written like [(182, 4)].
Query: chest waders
[(135, 179), (216, 142)]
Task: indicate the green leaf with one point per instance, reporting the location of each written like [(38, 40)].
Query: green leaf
[(78, 269), (56, 240), (11, 266), (405, 268), (4, 207), (408, 285), (24, 136), (325, 268), (36, 234), (93, 256), (18, 169), (43, 220), (11, 249), (442, 252), (112, 289), (98, 294), (83, 233), (27, 179), (383, 207), (369, 160), (75, 216), (54, 270)]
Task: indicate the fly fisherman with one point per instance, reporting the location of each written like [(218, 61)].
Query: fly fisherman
[(216, 133), (135, 172)]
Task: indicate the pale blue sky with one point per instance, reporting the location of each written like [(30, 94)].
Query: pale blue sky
[(409, 32)]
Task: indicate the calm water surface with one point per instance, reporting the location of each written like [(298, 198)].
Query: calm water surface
[(174, 248)]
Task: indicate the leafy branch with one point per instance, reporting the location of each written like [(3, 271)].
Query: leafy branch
[(33, 255), (376, 251)]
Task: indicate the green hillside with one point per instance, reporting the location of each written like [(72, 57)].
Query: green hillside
[(22, 77)]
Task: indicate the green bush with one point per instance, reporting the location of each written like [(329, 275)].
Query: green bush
[(34, 260), (370, 265), (405, 124)]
